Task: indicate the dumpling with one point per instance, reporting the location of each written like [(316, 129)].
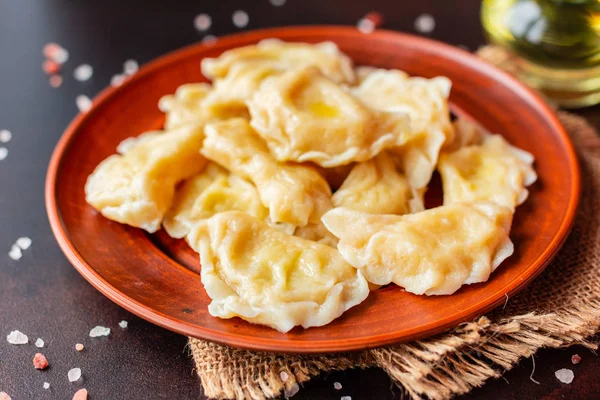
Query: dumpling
[(185, 106), (334, 176), (317, 233), (294, 194), (212, 191), (303, 116), (282, 56), (267, 277), (493, 171), (466, 133), (133, 141), (377, 187), (433, 252), (137, 188), (425, 101)]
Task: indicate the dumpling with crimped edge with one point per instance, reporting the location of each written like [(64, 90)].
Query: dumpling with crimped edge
[(267, 277), (377, 187), (433, 252), (137, 188), (426, 102), (317, 233), (282, 56), (185, 105), (294, 194), (303, 116), (492, 171), (212, 191)]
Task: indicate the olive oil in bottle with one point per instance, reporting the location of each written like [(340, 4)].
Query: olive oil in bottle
[(557, 44)]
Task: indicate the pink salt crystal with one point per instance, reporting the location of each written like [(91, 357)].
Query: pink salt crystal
[(202, 22), (81, 394), (50, 67), (55, 81), (4, 396), (284, 376), (78, 347), (575, 359), (40, 361), (56, 53)]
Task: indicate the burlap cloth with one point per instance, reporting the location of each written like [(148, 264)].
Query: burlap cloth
[(559, 309)]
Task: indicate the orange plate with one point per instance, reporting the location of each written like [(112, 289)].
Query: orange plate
[(157, 279)]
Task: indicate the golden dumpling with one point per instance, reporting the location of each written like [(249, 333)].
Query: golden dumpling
[(426, 102), (493, 171), (317, 233), (377, 187), (137, 188), (303, 116), (212, 191), (282, 56), (267, 277), (433, 252), (294, 194), (185, 106)]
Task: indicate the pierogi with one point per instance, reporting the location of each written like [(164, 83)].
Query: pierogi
[(265, 276), (137, 188), (433, 252)]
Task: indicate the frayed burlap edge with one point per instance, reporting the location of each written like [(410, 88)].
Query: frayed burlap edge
[(455, 362)]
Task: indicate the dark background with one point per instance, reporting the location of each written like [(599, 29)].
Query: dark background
[(43, 296)]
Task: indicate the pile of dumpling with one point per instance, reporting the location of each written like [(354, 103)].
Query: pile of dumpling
[(299, 179)]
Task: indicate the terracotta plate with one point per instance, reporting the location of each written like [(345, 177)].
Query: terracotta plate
[(157, 279)]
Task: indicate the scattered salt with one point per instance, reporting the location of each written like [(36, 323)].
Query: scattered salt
[(366, 25), (3, 153), (40, 361), (123, 324), (209, 39), (83, 103), (240, 19), (346, 398), (81, 394), (78, 347), (15, 252), (5, 136), (575, 359), (117, 80), (23, 242), (284, 376), (202, 22), (565, 375), (17, 337), (337, 386), (74, 374), (39, 343), (4, 396), (99, 331), (56, 53), (425, 23), (277, 3), (50, 67), (83, 73), (55, 81), (130, 67), (46, 385), (292, 390)]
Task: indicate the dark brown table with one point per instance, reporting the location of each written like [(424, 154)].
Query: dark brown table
[(43, 296)]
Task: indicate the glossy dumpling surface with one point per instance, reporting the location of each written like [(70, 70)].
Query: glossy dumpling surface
[(267, 277), (294, 194), (304, 116), (433, 252), (493, 171), (212, 191), (185, 106), (137, 188)]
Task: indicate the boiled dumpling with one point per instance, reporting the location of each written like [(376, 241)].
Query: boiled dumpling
[(185, 106), (433, 252), (137, 188), (282, 56), (493, 171), (294, 194), (303, 116), (317, 233), (212, 191), (267, 277), (377, 187), (425, 101)]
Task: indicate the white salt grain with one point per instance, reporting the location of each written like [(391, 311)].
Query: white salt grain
[(209, 40), (23, 242), (60, 55), (39, 343), (117, 80), (337, 386), (15, 252), (565, 375), (74, 374), (202, 22), (292, 390), (240, 18), (46, 385), (5, 136), (284, 376), (130, 67), (99, 331), (17, 337), (3, 153), (83, 103), (425, 23), (278, 3), (346, 398), (79, 347), (365, 25), (83, 73), (123, 324)]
